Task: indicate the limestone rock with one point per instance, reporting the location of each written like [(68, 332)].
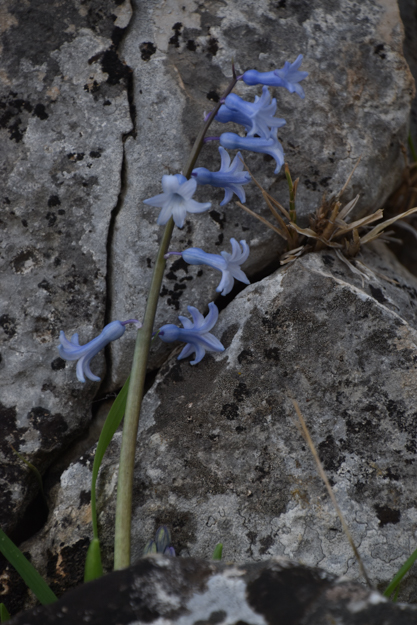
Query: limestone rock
[(358, 98), (64, 111), (186, 591), (219, 456)]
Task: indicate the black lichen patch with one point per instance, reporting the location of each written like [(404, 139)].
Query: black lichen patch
[(58, 364), (113, 66), (175, 39), (50, 426), (85, 498), (245, 357), (40, 111), (241, 391), (213, 96), (379, 50), (191, 45), (54, 201), (8, 324), (95, 153), (377, 294), (266, 543), (178, 265), (329, 454), (51, 217), (218, 218), (212, 46), (75, 156), (147, 49), (272, 353), (230, 411), (387, 515)]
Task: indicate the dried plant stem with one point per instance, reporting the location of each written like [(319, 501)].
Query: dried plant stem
[(264, 221), (307, 437)]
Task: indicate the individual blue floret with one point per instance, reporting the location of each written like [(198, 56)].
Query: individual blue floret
[(228, 264), (230, 177), (287, 77), (257, 117), (176, 200), (269, 145), (195, 333), (72, 350)]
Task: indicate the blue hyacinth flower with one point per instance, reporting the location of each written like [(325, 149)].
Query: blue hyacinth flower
[(195, 333), (161, 544), (176, 200), (228, 264), (269, 145), (288, 77), (230, 177), (72, 350), (257, 117)]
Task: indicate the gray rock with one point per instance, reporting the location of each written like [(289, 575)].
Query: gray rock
[(219, 456), (358, 98), (190, 592), (64, 113)]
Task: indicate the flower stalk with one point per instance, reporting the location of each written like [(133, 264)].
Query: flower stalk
[(138, 373)]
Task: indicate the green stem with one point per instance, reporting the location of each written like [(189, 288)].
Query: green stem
[(138, 373)]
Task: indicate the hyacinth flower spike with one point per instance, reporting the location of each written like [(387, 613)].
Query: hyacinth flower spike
[(288, 77), (257, 117), (230, 177), (228, 264), (269, 145), (176, 200), (195, 333), (72, 350)]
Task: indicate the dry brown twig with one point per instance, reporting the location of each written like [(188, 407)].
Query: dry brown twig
[(302, 427)]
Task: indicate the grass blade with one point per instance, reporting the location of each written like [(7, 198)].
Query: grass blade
[(218, 551), (398, 577), (110, 426), (4, 613), (26, 570)]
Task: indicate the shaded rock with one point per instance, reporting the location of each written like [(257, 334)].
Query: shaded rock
[(190, 592), (358, 98), (220, 459), (64, 111)]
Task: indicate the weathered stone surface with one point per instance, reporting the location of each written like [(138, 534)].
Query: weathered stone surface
[(357, 103), (195, 592), (220, 459), (64, 111)]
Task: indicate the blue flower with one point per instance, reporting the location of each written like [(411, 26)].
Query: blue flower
[(161, 544), (257, 117), (287, 77), (176, 200), (195, 333), (228, 264), (229, 177), (269, 145), (72, 350)]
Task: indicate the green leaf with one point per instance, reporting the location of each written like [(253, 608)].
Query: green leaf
[(110, 426), (218, 551), (4, 614), (398, 577), (93, 567), (26, 570)]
